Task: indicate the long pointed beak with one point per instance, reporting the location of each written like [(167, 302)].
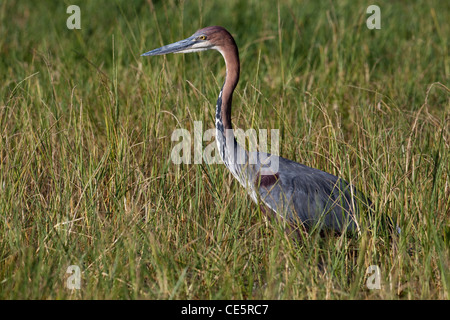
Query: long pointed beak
[(172, 48)]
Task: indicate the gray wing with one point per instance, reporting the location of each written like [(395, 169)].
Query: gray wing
[(311, 195)]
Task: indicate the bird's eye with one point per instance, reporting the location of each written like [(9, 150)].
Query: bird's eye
[(201, 38)]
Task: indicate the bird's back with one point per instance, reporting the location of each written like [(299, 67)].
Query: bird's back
[(310, 196)]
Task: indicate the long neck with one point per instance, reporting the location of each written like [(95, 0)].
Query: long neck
[(232, 154), (231, 57), (224, 133)]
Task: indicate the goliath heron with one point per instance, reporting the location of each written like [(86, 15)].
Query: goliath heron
[(302, 196)]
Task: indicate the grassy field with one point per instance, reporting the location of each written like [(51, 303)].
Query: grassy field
[(86, 176)]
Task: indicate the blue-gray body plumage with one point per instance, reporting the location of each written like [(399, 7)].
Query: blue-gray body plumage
[(311, 197)]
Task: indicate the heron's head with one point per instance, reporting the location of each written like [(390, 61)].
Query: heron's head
[(214, 37)]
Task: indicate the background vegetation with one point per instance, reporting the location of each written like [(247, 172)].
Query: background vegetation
[(85, 140)]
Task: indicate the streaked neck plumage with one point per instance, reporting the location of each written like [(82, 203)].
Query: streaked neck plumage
[(228, 147), (231, 56)]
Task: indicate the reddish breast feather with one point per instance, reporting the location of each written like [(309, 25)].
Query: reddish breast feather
[(266, 180)]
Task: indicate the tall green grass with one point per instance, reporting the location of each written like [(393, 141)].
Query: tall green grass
[(85, 141)]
